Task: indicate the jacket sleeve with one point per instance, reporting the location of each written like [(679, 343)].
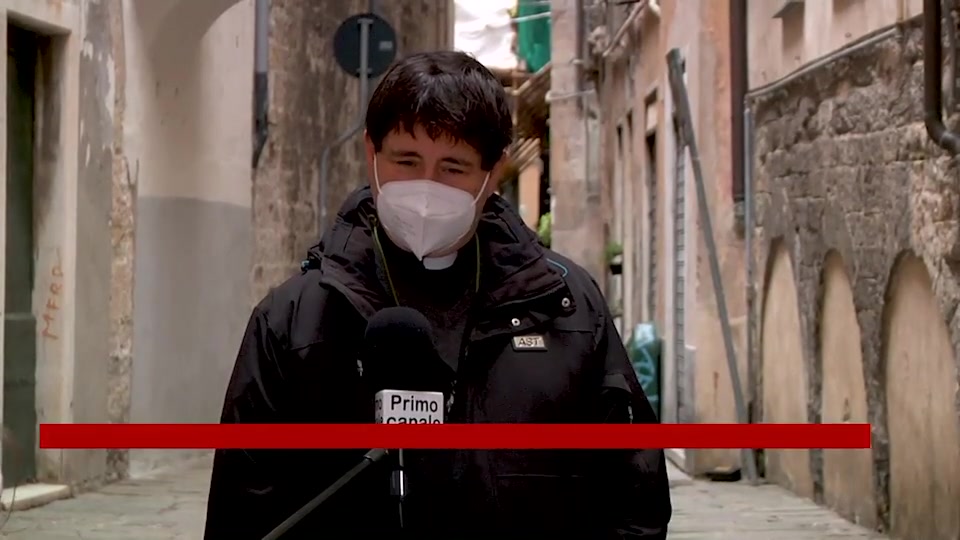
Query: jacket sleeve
[(250, 493), (639, 491)]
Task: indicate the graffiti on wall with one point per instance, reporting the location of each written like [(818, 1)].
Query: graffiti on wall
[(54, 299)]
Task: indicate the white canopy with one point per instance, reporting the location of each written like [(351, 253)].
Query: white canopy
[(483, 29)]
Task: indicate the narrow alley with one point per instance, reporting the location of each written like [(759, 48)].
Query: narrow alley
[(759, 198), (170, 506)]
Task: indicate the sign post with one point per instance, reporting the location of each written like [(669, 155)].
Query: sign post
[(364, 46)]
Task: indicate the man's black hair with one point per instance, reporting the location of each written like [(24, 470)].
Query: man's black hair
[(448, 94)]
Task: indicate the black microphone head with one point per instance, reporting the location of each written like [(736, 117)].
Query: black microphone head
[(399, 352), (394, 325)]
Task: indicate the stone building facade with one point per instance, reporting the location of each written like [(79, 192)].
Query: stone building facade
[(650, 190), (312, 103), (852, 289), (135, 233), (858, 235), (126, 172)]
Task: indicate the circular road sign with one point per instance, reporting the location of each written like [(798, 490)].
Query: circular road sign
[(382, 44)]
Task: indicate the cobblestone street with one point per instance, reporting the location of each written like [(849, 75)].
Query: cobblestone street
[(737, 511), (171, 506), (167, 506)]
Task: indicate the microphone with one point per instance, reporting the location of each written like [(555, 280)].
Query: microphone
[(398, 360), (405, 369)]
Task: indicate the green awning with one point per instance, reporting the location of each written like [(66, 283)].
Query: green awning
[(533, 36)]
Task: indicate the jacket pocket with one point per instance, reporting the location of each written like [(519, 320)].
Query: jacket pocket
[(545, 503)]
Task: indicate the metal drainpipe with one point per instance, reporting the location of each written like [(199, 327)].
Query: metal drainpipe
[(581, 43), (748, 225), (950, 99), (261, 62), (738, 90), (933, 79)]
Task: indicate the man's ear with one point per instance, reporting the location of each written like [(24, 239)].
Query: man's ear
[(368, 142), (496, 173)]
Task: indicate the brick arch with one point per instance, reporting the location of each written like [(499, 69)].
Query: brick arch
[(775, 215), (808, 232), (777, 234), (835, 235), (835, 247), (847, 475)]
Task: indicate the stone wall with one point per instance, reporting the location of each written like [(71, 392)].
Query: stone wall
[(312, 102), (122, 232), (82, 226), (843, 164), (579, 230), (104, 226)]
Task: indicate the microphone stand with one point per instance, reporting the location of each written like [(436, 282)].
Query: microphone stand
[(369, 459), (398, 484)]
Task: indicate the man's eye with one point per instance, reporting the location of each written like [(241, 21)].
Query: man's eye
[(455, 171), (406, 163)]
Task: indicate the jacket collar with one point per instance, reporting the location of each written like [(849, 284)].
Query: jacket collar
[(516, 275)]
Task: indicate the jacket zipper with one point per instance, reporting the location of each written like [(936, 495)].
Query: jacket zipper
[(458, 404), (452, 399)]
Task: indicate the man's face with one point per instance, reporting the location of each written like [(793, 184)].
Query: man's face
[(416, 156), (405, 156)]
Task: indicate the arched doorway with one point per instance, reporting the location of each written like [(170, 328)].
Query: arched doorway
[(784, 372), (188, 133), (847, 474)]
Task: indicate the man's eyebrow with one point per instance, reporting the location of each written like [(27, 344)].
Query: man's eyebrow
[(458, 161), (404, 153)]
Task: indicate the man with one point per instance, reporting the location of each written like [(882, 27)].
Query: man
[(430, 234)]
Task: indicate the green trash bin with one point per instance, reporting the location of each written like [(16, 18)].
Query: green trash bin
[(644, 349)]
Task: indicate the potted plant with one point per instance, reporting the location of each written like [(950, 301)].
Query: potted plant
[(545, 228), (614, 257)]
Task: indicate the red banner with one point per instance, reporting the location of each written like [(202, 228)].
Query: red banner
[(451, 436)]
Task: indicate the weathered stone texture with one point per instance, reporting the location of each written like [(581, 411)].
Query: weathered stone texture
[(96, 287), (313, 102), (579, 229), (843, 163), (122, 229)]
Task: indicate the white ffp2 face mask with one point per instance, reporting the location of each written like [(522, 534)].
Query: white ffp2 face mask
[(425, 217)]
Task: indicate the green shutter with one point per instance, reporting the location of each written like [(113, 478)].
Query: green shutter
[(19, 321)]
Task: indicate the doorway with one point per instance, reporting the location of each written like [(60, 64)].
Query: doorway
[(19, 320), (652, 187)]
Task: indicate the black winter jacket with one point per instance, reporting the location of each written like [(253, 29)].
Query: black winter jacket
[(297, 364)]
